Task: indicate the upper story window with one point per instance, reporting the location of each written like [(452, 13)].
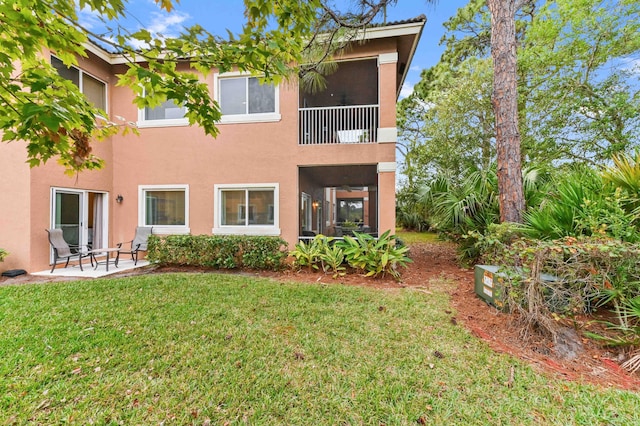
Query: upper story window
[(94, 90), (168, 110), (169, 113), (244, 99)]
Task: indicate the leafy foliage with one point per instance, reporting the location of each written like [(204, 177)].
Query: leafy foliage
[(375, 257), (372, 256), (308, 253), (332, 258), (3, 254), (581, 203), (410, 213)]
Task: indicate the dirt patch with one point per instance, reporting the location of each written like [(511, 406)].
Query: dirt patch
[(594, 365)]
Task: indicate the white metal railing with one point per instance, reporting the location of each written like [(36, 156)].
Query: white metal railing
[(338, 124)]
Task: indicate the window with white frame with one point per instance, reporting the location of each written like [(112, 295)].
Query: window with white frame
[(166, 208), (244, 98), (94, 90), (168, 110), (246, 209), (168, 113)]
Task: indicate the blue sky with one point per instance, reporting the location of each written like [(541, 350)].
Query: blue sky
[(219, 15)]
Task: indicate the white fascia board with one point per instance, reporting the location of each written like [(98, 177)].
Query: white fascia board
[(366, 34), (393, 31)]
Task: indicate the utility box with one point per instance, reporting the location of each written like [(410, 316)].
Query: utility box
[(489, 285)]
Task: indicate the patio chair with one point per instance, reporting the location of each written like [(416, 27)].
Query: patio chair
[(138, 244), (62, 250)]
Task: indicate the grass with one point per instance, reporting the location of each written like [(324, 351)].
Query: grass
[(412, 237), (200, 348)]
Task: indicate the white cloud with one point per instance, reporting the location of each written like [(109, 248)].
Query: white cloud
[(167, 24), (163, 24), (89, 19), (415, 68), (407, 90)]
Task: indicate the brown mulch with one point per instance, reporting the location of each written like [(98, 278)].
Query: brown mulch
[(595, 365)]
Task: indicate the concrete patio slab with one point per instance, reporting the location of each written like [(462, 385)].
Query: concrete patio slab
[(90, 271)]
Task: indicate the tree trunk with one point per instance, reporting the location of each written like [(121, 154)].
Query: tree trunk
[(505, 106)]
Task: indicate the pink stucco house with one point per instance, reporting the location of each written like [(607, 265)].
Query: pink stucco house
[(285, 163)]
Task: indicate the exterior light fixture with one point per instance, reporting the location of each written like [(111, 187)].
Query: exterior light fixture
[(119, 199)]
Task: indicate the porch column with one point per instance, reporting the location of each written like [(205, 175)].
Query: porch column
[(386, 197)]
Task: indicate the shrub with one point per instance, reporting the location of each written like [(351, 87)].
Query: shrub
[(307, 253), (3, 254), (375, 257), (582, 203), (263, 252), (218, 251), (332, 258), (594, 272)]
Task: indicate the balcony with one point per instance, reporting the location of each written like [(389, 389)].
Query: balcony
[(338, 124), (346, 110)]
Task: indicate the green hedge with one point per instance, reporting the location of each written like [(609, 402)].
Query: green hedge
[(218, 251)]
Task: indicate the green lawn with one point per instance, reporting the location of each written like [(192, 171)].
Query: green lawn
[(184, 348), (411, 237)]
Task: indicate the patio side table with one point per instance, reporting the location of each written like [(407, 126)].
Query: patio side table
[(107, 251)]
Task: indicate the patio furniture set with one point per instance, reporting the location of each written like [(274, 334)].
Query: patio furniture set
[(65, 251)]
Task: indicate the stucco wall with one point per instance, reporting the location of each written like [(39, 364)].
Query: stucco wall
[(248, 153), (15, 229)]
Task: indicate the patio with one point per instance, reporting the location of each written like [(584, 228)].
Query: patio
[(91, 272)]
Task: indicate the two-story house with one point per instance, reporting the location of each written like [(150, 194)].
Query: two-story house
[(285, 163)]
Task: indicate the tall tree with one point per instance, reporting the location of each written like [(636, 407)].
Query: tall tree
[(505, 105), (579, 98)]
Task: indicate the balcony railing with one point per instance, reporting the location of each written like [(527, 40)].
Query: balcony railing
[(338, 124)]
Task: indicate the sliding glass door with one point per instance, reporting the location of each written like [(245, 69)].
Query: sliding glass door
[(82, 216)]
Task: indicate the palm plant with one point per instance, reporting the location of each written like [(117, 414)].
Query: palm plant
[(581, 203), (625, 174), (470, 205)]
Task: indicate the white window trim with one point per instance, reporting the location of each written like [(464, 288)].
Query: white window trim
[(167, 122), (265, 230), (246, 118), (81, 84), (164, 229)]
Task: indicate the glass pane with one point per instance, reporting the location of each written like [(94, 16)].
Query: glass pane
[(67, 216), (95, 91), (261, 207), (262, 97), (169, 109), (165, 208), (71, 74), (233, 208), (233, 95), (351, 210)]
